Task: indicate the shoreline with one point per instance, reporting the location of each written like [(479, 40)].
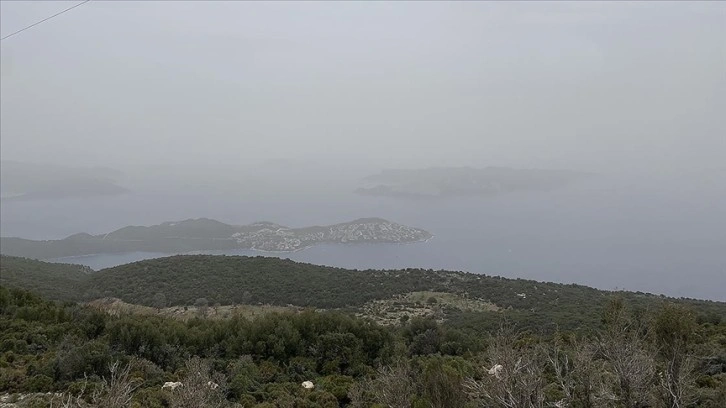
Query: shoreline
[(206, 251)]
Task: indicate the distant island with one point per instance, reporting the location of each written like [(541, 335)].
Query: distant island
[(30, 181), (464, 181), (204, 234)]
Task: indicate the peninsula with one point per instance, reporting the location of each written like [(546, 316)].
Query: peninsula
[(204, 234)]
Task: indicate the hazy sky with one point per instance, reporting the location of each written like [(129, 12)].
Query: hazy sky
[(583, 85)]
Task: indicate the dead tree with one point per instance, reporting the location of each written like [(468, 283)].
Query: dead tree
[(518, 383), (200, 387)]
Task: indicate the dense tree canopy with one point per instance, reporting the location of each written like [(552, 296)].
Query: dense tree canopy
[(227, 280), (561, 344)]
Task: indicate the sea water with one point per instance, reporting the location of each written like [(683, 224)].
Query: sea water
[(608, 233)]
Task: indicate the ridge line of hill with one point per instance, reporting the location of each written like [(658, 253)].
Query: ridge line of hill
[(228, 280)]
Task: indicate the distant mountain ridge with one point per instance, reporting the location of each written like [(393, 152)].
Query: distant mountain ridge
[(207, 234), (463, 181)]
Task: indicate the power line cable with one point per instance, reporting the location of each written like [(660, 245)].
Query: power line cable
[(44, 20)]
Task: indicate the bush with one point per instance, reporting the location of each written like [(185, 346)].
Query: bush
[(149, 398), (247, 401), (337, 385), (39, 383), (323, 399)]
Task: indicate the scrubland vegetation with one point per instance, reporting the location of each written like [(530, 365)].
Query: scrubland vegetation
[(625, 350)]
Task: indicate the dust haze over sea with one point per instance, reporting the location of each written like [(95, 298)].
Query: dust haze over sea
[(609, 231), (250, 111)]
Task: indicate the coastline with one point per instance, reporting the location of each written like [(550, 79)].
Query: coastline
[(217, 251)]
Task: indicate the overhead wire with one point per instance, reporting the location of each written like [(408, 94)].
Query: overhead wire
[(45, 19)]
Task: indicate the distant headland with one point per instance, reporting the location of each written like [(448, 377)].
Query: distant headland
[(206, 234)]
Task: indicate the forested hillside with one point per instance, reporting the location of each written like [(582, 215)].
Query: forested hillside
[(226, 280), (55, 280), (402, 338), (79, 356)]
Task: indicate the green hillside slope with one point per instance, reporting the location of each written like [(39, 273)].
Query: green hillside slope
[(225, 280), (54, 280)]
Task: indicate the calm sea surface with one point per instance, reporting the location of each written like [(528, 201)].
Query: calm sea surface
[(606, 233)]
